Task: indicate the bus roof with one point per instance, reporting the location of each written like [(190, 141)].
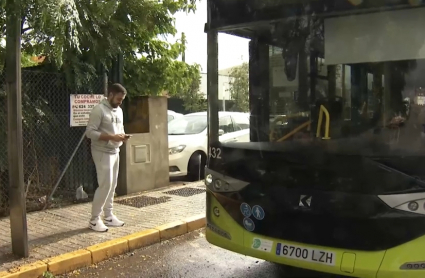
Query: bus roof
[(240, 14)]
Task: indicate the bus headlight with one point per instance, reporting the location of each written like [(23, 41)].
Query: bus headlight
[(208, 179), (413, 206), (226, 186), (215, 181), (411, 202), (221, 185), (218, 184), (177, 149)]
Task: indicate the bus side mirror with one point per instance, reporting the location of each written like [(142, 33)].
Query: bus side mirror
[(220, 132)]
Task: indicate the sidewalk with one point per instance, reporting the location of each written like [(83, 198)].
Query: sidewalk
[(58, 231)]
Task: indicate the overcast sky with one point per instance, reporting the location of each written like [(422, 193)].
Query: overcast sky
[(232, 50)]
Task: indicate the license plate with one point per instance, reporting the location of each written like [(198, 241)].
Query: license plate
[(305, 254)]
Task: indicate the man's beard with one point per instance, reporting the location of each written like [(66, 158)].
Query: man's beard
[(113, 105)]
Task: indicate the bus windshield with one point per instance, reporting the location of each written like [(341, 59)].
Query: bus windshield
[(332, 93)]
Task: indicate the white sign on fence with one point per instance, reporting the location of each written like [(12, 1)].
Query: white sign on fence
[(80, 108)]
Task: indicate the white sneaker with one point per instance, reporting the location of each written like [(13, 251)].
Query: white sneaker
[(113, 221), (98, 226)]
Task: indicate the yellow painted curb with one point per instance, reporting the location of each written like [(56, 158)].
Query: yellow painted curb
[(171, 230), (94, 254), (69, 262), (5, 274), (142, 239), (32, 270), (195, 222), (109, 249)]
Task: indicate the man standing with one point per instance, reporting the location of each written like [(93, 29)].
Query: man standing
[(106, 131)]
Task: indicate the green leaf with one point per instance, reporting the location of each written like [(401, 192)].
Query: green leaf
[(239, 87), (79, 36)]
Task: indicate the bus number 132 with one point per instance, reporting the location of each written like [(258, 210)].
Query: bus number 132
[(215, 152)]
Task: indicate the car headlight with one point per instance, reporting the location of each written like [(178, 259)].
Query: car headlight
[(177, 149)]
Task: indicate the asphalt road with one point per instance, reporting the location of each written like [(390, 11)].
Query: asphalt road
[(189, 256)]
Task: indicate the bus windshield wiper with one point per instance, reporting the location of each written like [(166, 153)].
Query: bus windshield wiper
[(396, 171)]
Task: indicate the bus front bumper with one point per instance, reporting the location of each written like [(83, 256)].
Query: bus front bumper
[(404, 261)]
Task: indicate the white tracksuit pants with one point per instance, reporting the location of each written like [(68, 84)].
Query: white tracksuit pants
[(107, 166)]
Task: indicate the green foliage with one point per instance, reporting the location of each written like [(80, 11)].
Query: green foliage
[(152, 77), (26, 60), (48, 274), (239, 87), (78, 37), (177, 78), (192, 99), (81, 36), (38, 120)]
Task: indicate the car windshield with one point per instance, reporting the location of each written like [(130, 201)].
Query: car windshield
[(187, 125)]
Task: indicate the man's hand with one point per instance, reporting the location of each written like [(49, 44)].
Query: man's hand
[(118, 138), (126, 137)]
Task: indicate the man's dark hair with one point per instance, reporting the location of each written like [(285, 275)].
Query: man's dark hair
[(117, 89)]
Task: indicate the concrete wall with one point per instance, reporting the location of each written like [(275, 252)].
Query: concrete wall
[(223, 86), (144, 158)]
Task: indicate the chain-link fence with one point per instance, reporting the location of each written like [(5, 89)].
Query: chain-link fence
[(48, 141)]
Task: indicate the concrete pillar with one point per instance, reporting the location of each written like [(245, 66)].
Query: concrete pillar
[(144, 158)]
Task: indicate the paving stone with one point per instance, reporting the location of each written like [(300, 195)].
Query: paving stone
[(57, 231)]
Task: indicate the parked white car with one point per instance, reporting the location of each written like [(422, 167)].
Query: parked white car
[(187, 139), (173, 115)]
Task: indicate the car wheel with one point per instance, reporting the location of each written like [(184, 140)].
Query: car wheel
[(196, 167)]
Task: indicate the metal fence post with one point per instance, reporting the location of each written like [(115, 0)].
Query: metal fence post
[(49, 198), (17, 196)]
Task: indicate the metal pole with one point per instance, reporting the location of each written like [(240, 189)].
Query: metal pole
[(200, 166), (224, 98), (18, 215), (105, 82), (184, 47), (64, 171), (212, 89)]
